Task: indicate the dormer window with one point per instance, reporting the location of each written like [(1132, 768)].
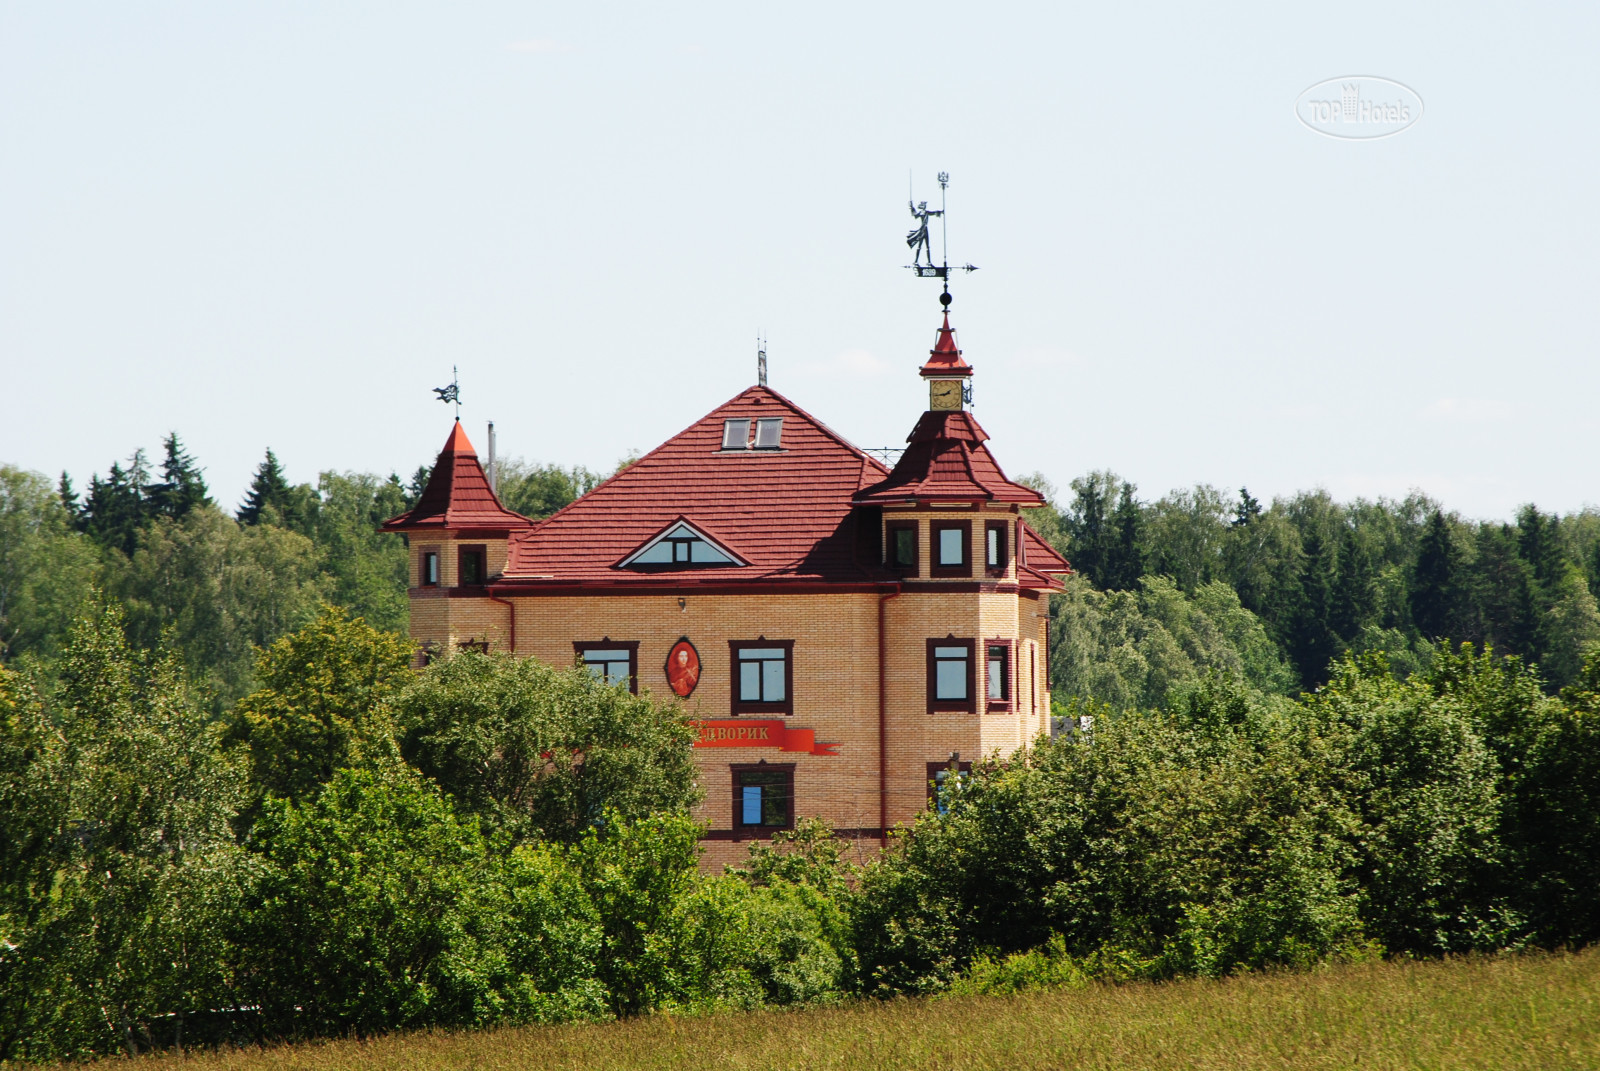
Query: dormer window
[(681, 546), (736, 434), (769, 433)]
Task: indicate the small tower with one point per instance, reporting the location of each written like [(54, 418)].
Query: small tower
[(458, 534), (947, 375)]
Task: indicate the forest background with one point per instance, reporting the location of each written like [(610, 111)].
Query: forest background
[(1167, 589)]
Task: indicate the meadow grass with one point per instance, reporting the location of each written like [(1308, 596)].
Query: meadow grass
[(1539, 1011)]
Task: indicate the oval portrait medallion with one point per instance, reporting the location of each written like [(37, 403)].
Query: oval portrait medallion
[(683, 668)]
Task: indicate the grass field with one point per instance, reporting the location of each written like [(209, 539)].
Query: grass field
[(1514, 1012)]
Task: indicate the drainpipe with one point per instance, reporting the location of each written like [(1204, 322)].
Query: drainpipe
[(512, 611), (883, 722)]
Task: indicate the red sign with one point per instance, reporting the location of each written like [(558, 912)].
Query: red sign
[(683, 668), (742, 733)]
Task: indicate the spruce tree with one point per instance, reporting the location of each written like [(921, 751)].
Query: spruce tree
[(1436, 582), (1126, 559), (1355, 592), (1248, 509), (182, 488), (419, 483), (115, 510), (69, 501), (1539, 540), (1507, 610), (269, 490), (1312, 642)]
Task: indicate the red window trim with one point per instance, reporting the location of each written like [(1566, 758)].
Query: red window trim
[(968, 705), (1005, 548), (740, 830), (934, 568), (608, 644), (890, 528), (743, 706), (1009, 703)]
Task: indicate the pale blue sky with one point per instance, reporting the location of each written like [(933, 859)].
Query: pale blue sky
[(281, 224)]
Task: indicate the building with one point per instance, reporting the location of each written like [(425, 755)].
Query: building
[(842, 632)]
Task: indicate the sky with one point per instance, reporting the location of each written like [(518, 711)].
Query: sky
[(281, 225)]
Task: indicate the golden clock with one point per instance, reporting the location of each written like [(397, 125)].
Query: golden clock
[(944, 394)]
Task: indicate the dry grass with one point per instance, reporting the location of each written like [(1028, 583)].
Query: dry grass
[(1514, 1012)]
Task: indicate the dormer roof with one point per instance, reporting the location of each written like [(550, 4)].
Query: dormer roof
[(458, 495)]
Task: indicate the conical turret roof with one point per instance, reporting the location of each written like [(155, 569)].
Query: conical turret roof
[(458, 495)]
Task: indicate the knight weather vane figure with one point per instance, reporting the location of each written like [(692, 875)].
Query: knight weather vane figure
[(452, 393)]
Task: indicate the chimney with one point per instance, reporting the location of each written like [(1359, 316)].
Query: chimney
[(494, 471)]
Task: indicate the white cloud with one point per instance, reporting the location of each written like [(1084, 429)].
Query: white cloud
[(542, 46)]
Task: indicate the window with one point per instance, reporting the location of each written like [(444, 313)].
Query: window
[(679, 547), (735, 434), (769, 433), (995, 551), (763, 676), (763, 798), (611, 661), (1033, 678), (430, 569), (481, 646), (950, 674), (940, 786), (903, 546), (950, 548), (472, 566), (997, 674)]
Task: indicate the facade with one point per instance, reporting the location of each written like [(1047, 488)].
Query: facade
[(842, 632)]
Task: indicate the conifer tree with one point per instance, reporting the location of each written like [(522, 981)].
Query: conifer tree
[(1248, 509), (182, 488), (1355, 588), (1312, 642), (1436, 582), (268, 490), (419, 483), (115, 510), (1126, 559), (1539, 539), (69, 501), (1507, 610)]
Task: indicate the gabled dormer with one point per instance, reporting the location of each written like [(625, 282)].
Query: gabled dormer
[(681, 545)]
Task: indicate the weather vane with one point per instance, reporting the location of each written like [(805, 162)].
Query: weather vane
[(922, 246), (452, 393)]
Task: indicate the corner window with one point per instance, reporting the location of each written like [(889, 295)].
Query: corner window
[(763, 798), (902, 549), (997, 674), (996, 553), (611, 662), (941, 785), (769, 433), (472, 566), (763, 676), (430, 569), (950, 674), (735, 434), (951, 553)]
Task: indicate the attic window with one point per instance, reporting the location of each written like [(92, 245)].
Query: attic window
[(736, 434), (679, 546), (769, 433)]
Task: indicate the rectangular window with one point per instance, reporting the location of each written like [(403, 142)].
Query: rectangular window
[(472, 567), (763, 676), (769, 433), (951, 548), (430, 569), (612, 661), (763, 798), (903, 546), (997, 674), (996, 556), (735, 434), (1033, 677), (940, 786), (950, 673)]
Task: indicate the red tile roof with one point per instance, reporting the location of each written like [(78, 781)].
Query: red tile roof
[(947, 461), (785, 511), (458, 495), (945, 359)]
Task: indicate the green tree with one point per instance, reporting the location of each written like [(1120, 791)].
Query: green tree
[(320, 702), (1313, 642), (46, 568), (1438, 596), (115, 510), (535, 490), (269, 499), (540, 752), (182, 488), (368, 568), (1508, 611)]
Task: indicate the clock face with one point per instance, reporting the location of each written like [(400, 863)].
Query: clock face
[(944, 394)]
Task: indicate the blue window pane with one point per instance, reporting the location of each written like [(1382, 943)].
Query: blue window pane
[(950, 546), (950, 680), (772, 681), (997, 679), (761, 652), (750, 805), (750, 681)]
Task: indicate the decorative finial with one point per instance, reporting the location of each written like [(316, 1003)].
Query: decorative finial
[(761, 361), (921, 244), (452, 393)]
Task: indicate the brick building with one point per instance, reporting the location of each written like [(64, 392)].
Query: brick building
[(841, 631)]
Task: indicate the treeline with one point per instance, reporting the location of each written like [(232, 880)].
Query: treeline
[(1160, 586), (358, 847), (218, 583)]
